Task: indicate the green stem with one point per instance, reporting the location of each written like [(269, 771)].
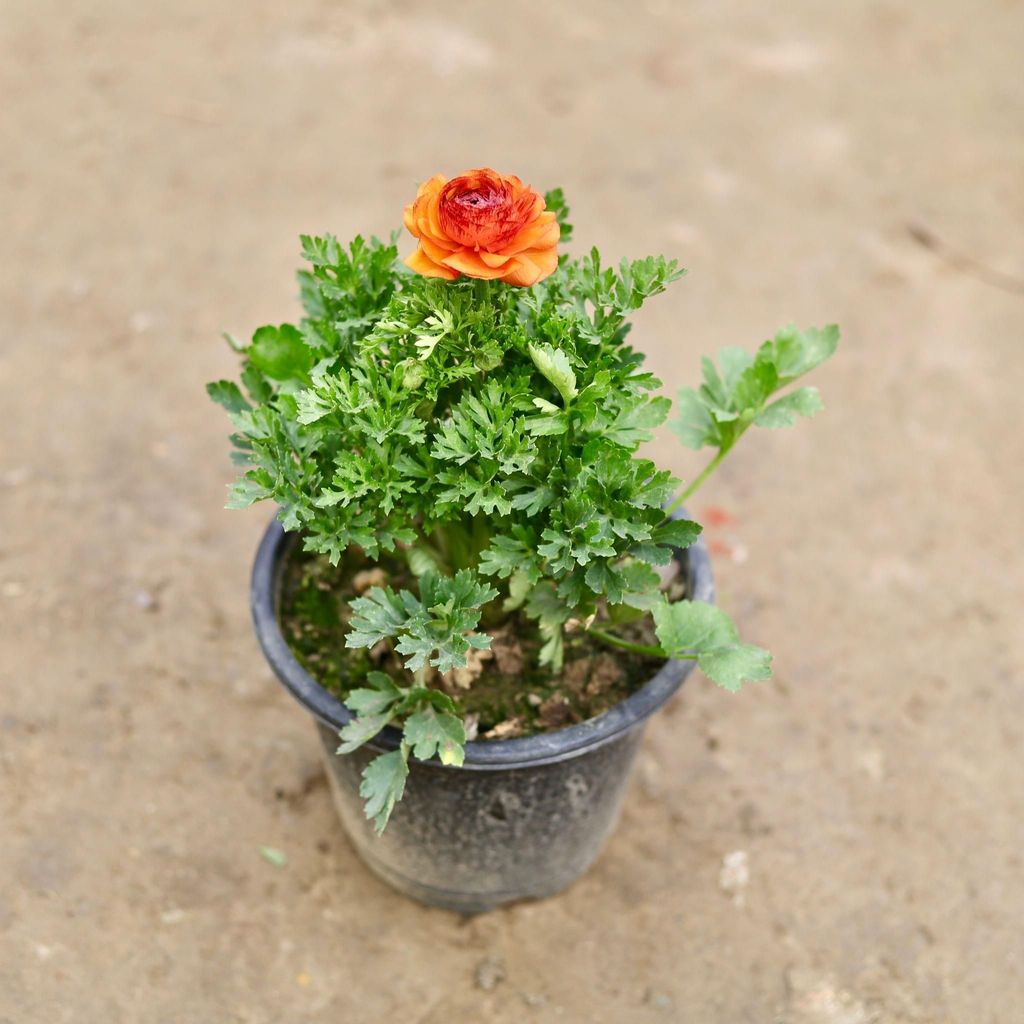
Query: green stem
[(697, 481), (628, 645)]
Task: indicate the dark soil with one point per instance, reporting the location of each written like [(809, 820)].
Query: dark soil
[(502, 693)]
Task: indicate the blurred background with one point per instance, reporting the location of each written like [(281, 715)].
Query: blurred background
[(839, 846)]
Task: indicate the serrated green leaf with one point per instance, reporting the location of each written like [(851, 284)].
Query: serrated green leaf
[(637, 586), (802, 402), (694, 424), (753, 388), (375, 699), (281, 354), (430, 732), (417, 697), (679, 533), (383, 785), (653, 554), (378, 614), (434, 627), (687, 627), (794, 352), (505, 556), (228, 394), (360, 730), (634, 423), (733, 362), (696, 629), (735, 664), (551, 613), (245, 492), (547, 426)]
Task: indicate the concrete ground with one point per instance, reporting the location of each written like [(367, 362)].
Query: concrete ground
[(840, 846)]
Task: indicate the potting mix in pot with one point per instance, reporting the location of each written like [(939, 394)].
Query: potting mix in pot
[(484, 556)]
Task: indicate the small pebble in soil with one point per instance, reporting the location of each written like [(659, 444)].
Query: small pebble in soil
[(490, 973), (659, 1000), (141, 321), (735, 876)]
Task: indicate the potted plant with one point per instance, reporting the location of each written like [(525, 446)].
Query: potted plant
[(475, 583)]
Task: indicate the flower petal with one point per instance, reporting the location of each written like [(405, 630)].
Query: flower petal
[(432, 186), (409, 219), (529, 268), (493, 259), (438, 252), (469, 263), (422, 264), (543, 233)]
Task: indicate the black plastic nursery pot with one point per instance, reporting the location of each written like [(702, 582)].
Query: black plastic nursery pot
[(521, 818)]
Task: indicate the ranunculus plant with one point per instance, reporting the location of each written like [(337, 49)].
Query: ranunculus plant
[(467, 432)]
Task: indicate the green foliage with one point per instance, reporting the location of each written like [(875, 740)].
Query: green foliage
[(430, 727), (491, 434), (735, 393), (693, 629), (383, 785), (434, 628)]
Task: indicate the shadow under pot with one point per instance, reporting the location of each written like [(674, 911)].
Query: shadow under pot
[(521, 818)]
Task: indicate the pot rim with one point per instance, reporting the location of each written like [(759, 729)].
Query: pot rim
[(523, 751)]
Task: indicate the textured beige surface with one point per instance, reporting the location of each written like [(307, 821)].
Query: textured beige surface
[(158, 161)]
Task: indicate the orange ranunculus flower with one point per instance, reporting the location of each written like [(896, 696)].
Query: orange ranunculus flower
[(482, 224)]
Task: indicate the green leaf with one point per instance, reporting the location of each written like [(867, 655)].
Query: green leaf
[(228, 394), (245, 492), (383, 785), (434, 627), (378, 614), (519, 586), (554, 365), (421, 561), (733, 665), (376, 699), (802, 402), (551, 613), (694, 424), (417, 697), (686, 627), (678, 533), (360, 730), (505, 556), (429, 732), (281, 354), (733, 362), (634, 424), (256, 384), (696, 629), (753, 388), (794, 352), (638, 586)]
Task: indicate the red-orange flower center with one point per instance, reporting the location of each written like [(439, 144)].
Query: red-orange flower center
[(481, 211)]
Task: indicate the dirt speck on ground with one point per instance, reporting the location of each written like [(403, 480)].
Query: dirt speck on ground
[(160, 161)]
